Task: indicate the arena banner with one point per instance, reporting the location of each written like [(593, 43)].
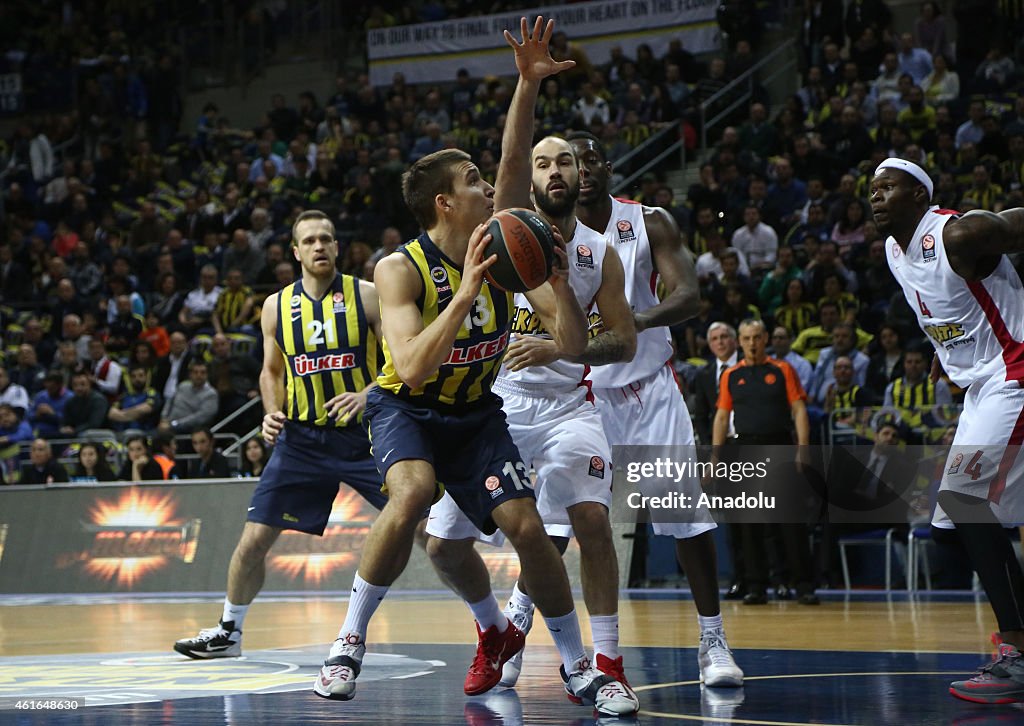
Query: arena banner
[(433, 52), (164, 537)]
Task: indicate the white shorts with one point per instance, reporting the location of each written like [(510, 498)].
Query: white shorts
[(447, 521), (984, 460), (561, 437), (651, 411)]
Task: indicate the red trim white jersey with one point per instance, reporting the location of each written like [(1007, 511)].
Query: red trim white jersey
[(627, 234), (975, 327), (586, 252)]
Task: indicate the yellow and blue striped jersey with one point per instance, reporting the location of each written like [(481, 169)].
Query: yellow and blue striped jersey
[(328, 345), (465, 378)]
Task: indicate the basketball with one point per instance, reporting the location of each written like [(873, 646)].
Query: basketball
[(524, 244)]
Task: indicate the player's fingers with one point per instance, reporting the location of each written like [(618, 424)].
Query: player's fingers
[(564, 65), (510, 39), (548, 30), (524, 30), (936, 368), (476, 248), (537, 28), (489, 261), (478, 240)]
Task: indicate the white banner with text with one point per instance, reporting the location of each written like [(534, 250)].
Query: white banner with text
[(433, 52)]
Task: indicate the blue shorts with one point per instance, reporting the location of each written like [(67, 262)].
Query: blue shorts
[(300, 482), (473, 455)]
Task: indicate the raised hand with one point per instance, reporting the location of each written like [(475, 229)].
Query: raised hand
[(533, 59)]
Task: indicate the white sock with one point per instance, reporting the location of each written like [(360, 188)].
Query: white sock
[(605, 629), (362, 604), (519, 599), (234, 614), (487, 613), (712, 623), (565, 631)]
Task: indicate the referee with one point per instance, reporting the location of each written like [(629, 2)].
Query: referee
[(767, 401)]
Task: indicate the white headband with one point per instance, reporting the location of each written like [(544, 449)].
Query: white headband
[(910, 168)]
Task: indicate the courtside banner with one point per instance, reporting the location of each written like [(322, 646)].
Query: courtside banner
[(433, 52), (179, 537)]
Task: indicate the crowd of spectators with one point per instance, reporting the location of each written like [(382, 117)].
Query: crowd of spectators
[(137, 247), (143, 459), (134, 260), (779, 218)]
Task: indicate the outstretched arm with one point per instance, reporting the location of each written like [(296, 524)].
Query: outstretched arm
[(678, 274), (534, 62)]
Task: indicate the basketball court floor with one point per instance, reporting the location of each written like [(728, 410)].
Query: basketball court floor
[(868, 659)]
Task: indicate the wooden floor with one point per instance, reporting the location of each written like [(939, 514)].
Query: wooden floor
[(861, 660), (956, 627)]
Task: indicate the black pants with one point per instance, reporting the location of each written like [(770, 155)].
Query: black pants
[(796, 549), (793, 538)]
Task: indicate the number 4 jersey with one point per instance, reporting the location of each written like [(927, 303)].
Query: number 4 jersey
[(976, 327), (328, 345)]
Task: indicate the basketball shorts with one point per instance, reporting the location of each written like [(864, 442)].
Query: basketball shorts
[(472, 453), (561, 437), (652, 412), (984, 460), (300, 481)]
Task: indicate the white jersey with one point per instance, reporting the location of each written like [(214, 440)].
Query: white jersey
[(975, 327), (586, 252), (627, 234)]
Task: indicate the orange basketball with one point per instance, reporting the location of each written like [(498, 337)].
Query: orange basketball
[(524, 244)]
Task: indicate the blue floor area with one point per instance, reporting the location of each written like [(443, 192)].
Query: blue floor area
[(422, 684)]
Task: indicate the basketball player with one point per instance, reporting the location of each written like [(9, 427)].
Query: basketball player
[(436, 426), (967, 296), (320, 338), (547, 401), (640, 401)]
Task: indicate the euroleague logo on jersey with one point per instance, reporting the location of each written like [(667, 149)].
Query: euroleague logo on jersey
[(339, 302), (896, 251), (957, 461), (770, 379), (492, 483), (584, 256), (625, 228), (597, 467), (928, 247)]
